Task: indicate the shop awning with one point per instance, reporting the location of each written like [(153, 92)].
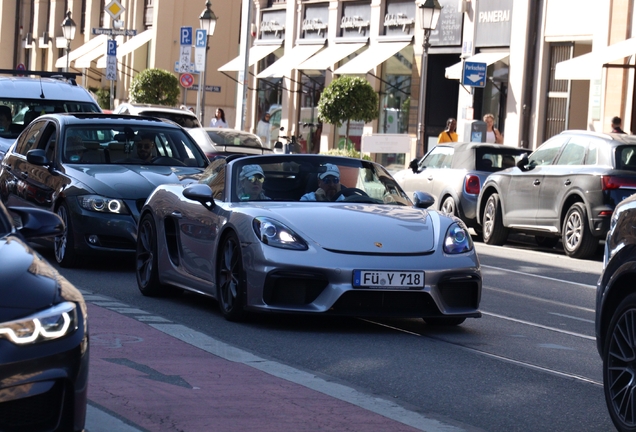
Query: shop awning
[(455, 71), (257, 52), (290, 61), (129, 46), (86, 60), (590, 65), (372, 57), (330, 56), (80, 51)]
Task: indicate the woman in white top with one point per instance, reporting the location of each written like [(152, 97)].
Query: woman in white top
[(492, 134), (219, 119), (263, 130)]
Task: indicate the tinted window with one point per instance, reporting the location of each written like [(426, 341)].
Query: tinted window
[(592, 152), (495, 159), (183, 120), (574, 152), (545, 154), (27, 141), (214, 176), (626, 158)]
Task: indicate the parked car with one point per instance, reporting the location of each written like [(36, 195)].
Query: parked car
[(369, 253), (44, 343), (566, 189), (616, 316), (30, 97), (88, 169), (453, 175), (184, 118), (224, 142)]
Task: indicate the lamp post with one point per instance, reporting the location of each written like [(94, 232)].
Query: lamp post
[(68, 30), (207, 21), (429, 12)]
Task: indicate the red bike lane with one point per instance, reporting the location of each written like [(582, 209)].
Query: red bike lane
[(158, 382)]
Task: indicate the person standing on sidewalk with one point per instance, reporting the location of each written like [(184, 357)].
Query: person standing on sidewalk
[(264, 129), (219, 119), (450, 134), (492, 133), (616, 125)]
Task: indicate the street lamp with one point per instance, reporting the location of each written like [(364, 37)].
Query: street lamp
[(207, 21), (429, 12), (68, 30)]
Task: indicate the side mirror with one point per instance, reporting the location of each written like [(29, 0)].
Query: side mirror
[(413, 166), (523, 162), (38, 223), (423, 200), (37, 157), (201, 193)]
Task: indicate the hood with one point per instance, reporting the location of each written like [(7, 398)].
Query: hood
[(28, 282), (358, 228), (130, 181)]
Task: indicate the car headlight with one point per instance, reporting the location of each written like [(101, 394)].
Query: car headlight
[(53, 323), (274, 233), (102, 204), (457, 240)]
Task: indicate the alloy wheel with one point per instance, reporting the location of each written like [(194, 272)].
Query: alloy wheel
[(489, 217), (573, 230), (230, 279), (61, 241)]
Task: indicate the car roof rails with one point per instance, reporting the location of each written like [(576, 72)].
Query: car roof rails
[(70, 76)]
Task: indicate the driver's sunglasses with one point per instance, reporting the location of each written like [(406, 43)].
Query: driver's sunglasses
[(329, 180), (256, 178)]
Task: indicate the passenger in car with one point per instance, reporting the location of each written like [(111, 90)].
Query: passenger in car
[(5, 118), (507, 161), (74, 149), (251, 181)]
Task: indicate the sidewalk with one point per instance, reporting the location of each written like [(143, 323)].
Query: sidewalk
[(147, 373)]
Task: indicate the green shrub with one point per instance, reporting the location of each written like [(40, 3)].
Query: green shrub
[(155, 86), (348, 152)]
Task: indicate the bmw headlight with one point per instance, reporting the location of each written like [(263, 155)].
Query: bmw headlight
[(102, 204), (274, 233), (457, 240), (53, 323)]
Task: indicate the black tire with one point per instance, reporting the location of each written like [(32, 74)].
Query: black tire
[(547, 242), (619, 379), (231, 279), (577, 238), (146, 259), (64, 244), (448, 206), (444, 321), (494, 233)]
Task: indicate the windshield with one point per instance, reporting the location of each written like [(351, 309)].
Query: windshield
[(235, 138), (305, 178), (119, 144), (24, 111), (183, 120)]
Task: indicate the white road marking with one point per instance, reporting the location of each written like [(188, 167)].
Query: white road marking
[(572, 317), (541, 277), (539, 325), (554, 302)]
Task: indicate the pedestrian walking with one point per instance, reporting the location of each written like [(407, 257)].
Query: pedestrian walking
[(492, 133), (219, 119), (264, 130), (449, 134), (616, 125)]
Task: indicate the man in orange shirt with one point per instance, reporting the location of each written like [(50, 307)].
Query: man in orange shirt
[(449, 135)]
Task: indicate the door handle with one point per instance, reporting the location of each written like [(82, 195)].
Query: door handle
[(176, 214), (537, 182), (430, 178), (568, 182)]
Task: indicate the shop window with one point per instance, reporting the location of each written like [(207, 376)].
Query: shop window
[(270, 96), (309, 127), (148, 12)]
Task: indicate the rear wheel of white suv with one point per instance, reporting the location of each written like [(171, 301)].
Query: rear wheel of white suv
[(578, 241)]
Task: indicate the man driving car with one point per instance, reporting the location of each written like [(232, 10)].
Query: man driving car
[(329, 186)]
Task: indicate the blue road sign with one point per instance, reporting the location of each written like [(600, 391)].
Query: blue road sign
[(474, 74), (186, 36), (200, 38), (111, 47)]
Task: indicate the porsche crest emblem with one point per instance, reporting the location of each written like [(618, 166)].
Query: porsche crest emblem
[(378, 244)]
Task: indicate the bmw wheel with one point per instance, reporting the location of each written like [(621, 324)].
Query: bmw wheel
[(494, 232), (619, 366), (64, 244), (448, 206), (577, 238), (146, 259), (230, 279)]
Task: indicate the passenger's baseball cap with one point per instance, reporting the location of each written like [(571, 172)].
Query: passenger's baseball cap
[(330, 170)]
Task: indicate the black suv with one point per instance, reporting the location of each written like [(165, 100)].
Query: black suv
[(29, 94), (616, 316), (567, 188)]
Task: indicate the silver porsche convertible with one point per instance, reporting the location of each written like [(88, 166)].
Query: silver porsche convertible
[(308, 234)]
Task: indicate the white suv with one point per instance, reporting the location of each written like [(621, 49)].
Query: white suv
[(29, 97), (183, 118)]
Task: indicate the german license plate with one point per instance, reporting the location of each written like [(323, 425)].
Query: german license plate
[(387, 279)]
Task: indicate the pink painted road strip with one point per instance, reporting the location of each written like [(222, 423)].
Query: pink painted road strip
[(158, 382)]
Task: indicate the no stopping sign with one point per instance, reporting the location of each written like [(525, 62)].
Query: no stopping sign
[(186, 80)]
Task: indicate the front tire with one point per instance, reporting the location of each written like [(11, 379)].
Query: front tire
[(494, 232), (577, 238), (619, 373), (230, 279), (64, 244), (146, 259)]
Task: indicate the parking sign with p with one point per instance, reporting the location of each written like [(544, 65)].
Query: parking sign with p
[(186, 36)]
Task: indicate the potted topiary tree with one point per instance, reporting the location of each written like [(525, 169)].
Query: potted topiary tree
[(348, 98)]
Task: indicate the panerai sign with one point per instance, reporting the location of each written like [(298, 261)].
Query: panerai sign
[(399, 20), (494, 16)]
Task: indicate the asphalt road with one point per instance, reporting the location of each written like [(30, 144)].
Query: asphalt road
[(529, 364)]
